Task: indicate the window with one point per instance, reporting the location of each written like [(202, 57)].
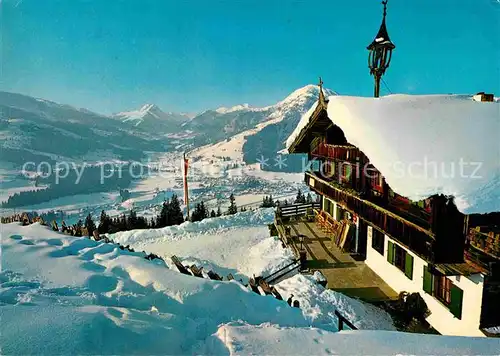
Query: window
[(376, 180), (346, 172), (340, 213), (378, 240), (329, 170), (326, 206), (399, 257), (331, 210), (445, 291)]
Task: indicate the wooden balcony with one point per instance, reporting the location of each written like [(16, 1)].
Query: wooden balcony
[(487, 242), (337, 152), (483, 246), (417, 238), (411, 212)]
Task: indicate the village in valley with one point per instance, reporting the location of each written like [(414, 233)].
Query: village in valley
[(322, 224)]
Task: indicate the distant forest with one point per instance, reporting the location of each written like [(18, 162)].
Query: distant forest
[(90, 182)]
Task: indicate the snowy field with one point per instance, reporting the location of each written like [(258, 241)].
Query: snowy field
[(65, 295), (11, 183), (211, 180)]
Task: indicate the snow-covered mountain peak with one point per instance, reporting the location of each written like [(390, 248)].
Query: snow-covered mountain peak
[(305, 94), (149, 107), (150, 113), (146, 109)]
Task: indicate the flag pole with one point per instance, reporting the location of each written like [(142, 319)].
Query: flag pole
[(186, 190)]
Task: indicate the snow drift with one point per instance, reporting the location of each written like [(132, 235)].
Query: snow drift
[(242, 339), (65, 295), (61, 294)]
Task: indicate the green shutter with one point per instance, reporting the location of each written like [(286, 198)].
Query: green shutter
[(427, 281), (390, 252), (409, 266), (457, 296)]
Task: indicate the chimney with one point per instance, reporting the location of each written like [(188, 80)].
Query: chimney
[(482, 96)]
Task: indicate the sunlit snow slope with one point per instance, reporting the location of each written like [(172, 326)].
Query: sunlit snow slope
[(67, 295)]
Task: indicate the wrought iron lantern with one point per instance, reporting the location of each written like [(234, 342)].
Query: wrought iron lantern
[(380, 53)]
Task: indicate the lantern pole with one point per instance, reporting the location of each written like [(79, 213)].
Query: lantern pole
[(377, 85)]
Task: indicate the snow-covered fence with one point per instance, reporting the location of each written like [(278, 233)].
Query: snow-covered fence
[(343, 321), (296, 209), (284, 272)]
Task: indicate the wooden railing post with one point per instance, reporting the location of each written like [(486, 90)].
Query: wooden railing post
[(341, 324)]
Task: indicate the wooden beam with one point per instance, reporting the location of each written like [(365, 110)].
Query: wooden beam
[(304, 131)]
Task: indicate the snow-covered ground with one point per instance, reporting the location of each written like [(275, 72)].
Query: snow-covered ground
[(65, 295), (244, 339), (241, 245)]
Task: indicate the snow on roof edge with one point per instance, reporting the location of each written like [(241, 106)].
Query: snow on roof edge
[(427, 133)]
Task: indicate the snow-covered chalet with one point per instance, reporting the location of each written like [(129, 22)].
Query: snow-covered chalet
[(417, 179)]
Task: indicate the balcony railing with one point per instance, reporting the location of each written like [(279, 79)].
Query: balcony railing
[(343, 153), (485, 242), (415, 237), (410, 212), (407, 211)]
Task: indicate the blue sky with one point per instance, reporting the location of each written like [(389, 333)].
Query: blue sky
[(187, 55)]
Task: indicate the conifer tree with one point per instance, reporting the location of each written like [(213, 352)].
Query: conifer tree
[(219, 212), (199, 212), (78, 229), (175, 212), (212, 214), (162, 219), (104, 223), (132, 220), (122, 224), (300, 197), (89, 225), (233, 208)]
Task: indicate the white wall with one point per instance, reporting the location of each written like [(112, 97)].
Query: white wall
[(441, 318)]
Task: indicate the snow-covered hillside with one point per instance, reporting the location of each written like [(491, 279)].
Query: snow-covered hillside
[(66, 295), (266, 131), (37, 130)]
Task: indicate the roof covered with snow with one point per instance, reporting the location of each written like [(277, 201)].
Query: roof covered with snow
[(427, 144)]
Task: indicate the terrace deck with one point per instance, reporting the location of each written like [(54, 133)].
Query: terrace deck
[(343, 272)]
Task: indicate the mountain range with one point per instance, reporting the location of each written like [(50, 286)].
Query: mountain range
[(35, 129)]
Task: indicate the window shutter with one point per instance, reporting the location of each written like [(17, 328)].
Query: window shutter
[(409, 266), (427, 281), (457, 296), (390, 252)]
